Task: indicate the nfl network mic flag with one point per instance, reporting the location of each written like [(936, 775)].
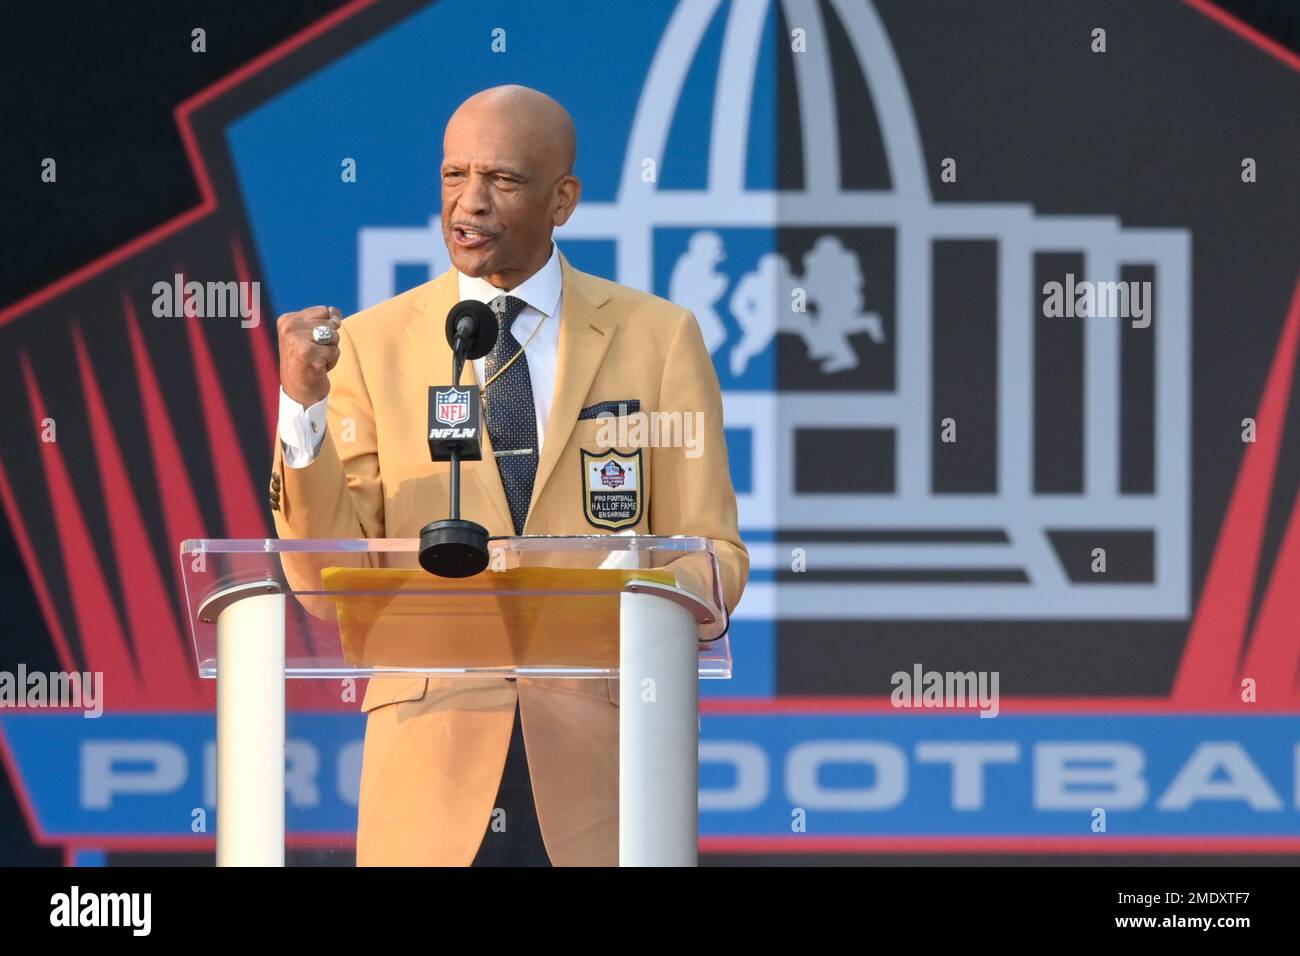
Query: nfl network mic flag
[(1033, 419), (455, 416)]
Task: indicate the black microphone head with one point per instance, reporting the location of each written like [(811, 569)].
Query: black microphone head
[(475, 325)]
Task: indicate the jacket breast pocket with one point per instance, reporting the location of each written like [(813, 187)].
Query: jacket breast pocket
[(613, 409)]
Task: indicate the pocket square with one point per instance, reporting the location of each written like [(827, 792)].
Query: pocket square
[(625, 406)]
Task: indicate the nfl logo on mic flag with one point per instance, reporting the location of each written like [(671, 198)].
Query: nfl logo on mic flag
[(454, 416), (452, 406)]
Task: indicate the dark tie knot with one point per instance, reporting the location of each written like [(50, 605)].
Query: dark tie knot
[(507, 309)]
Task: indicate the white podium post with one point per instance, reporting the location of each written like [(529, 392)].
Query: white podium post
[(658, 726), (250, 730)]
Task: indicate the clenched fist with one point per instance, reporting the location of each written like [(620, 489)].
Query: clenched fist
[(304, 364)]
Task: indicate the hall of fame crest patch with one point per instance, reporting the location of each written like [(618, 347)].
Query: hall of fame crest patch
[(611, 489)]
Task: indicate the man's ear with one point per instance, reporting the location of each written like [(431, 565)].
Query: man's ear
[(567, 193)]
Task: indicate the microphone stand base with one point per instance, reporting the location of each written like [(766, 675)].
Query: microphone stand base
[(452, 548)]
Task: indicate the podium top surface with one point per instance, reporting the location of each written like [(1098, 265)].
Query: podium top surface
[(547, 606)]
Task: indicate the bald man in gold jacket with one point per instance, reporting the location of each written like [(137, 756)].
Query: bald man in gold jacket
[(435, 748)]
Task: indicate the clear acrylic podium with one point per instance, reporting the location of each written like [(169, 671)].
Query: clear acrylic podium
[(646, 610)]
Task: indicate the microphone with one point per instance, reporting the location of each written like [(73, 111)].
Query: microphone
[(452, 548), (471, 333)]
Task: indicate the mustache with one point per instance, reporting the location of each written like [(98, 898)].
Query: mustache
[(474, 227)]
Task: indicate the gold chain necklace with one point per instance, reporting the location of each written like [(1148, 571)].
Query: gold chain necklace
[(513, 358)]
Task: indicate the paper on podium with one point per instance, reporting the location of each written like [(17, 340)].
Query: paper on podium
[(527, 617)]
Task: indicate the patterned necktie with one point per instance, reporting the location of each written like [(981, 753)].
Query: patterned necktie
[(510, 412)]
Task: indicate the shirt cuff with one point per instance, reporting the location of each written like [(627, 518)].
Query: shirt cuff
[(301, 430)]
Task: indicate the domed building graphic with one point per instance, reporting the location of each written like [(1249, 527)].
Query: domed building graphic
[(855, 308)]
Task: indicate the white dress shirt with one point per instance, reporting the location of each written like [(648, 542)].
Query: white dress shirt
[(303, 429)]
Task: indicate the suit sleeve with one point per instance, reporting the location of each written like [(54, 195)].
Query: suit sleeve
[(691, 490), (338, 495)]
